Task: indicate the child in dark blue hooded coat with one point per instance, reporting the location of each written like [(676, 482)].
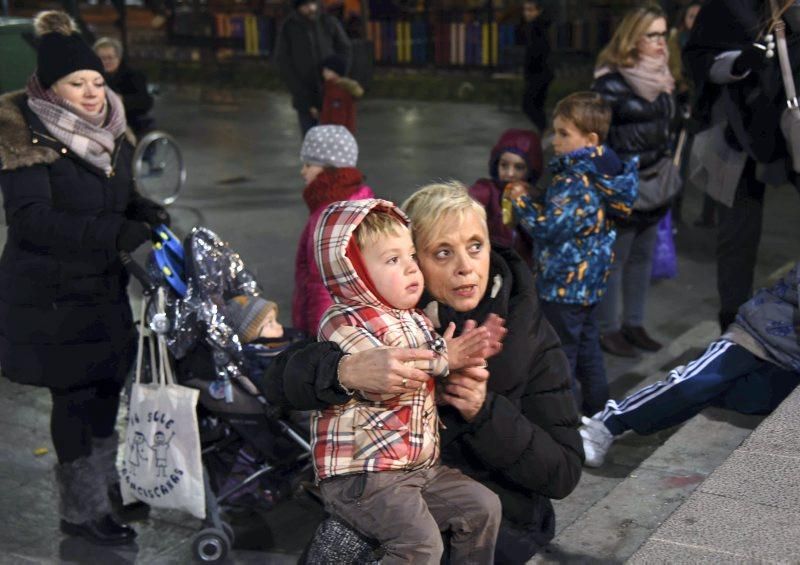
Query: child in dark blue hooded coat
[(573, 230)]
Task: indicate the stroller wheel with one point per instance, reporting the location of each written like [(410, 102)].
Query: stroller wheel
[(228, 529), (211, 545)]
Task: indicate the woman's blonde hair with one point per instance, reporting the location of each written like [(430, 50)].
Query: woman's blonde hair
[(427, 207), (621, 51)]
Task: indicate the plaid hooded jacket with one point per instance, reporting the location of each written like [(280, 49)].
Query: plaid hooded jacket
[(371, 433)]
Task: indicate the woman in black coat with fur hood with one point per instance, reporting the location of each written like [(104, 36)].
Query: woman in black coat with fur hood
[(71, 207)]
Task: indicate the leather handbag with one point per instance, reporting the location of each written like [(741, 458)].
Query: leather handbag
[(790, 118)]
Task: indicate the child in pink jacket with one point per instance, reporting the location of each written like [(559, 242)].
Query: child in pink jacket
[(329, 155), (515, 158)]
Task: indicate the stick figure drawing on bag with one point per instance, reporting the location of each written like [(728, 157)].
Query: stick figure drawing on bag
[(138, 452), (160, 447)]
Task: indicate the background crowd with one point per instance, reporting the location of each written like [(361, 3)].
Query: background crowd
[(525, 420)]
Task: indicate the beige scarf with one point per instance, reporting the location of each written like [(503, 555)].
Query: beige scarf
[(90, 137), (648, 78)]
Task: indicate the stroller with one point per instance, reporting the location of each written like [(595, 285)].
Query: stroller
[(252, 453)]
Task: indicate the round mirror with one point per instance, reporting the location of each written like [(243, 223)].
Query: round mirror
[(158, 167)]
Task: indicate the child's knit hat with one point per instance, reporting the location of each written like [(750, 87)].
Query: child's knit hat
[(329, 146), (246, 314)]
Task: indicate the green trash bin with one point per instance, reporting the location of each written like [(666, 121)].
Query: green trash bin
[(17, 55)]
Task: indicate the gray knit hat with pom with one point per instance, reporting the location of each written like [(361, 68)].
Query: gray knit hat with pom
[(329, 146)]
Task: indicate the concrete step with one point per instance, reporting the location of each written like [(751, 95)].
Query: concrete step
[(747, 510), (616, 508)]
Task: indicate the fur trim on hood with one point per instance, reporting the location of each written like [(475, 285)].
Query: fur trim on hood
[(351, 86), (16, 148)]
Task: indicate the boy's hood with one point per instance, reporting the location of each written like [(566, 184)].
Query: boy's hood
[(522, 142), (338, 257), (617, 181)]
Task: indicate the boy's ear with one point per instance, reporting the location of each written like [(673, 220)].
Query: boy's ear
[(594, 138)]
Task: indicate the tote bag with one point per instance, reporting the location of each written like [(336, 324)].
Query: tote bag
[(163, 465)]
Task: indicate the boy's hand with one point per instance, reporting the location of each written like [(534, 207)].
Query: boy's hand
[(475, 344), (314, 112), (515, 189), (466, 350)]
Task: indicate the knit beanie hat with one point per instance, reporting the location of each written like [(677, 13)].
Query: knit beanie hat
[(336, 63), (329, 146), (61, 49), (246, 314), (298, 3)]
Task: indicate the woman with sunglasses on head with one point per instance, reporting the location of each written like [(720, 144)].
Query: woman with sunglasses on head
[(632, 74)]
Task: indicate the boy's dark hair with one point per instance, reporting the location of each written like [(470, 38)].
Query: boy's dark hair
[(588, 111)]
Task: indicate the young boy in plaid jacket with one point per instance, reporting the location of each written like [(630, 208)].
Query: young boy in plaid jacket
[(376, 457)]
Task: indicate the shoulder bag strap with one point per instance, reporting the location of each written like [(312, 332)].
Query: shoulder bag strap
[(783, 58), (140, 347)]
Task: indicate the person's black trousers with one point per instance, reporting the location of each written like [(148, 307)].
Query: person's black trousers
[(534, 96), (737, 244), (307, 121), (80, 414)]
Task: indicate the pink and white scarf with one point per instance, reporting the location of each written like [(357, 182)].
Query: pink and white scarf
[(648, 78), (91, 137)]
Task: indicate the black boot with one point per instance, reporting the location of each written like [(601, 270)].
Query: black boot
[(104, 457), (84, 506), (102, 531), (725, 320)]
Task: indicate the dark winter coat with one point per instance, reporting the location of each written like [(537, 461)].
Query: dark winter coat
[(574, 224), (524, 442), (131, 85), (301, 47), (64, 314), (754, 104), (536, 64), (638, 127)]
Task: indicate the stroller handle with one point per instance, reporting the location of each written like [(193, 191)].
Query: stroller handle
[(137, 272)]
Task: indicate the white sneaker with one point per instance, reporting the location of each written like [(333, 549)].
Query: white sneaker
[(596, 441)]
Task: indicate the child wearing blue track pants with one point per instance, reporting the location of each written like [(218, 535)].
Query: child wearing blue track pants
[(752, 368)]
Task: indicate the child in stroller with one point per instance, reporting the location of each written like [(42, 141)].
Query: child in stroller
[(222, 335)]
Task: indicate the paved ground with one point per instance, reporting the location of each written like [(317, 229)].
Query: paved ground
[(241, 151)]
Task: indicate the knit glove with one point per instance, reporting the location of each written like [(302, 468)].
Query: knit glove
[(131, 235), (144, 210)]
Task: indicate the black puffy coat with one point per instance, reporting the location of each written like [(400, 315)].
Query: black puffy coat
[(131, 85), (301, 47), (65, 319), (638, 127), (524, 443)]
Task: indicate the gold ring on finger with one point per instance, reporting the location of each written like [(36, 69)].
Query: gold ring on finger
[(404, 382)]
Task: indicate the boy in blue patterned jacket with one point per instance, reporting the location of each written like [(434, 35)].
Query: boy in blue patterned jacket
[(573, 231)]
